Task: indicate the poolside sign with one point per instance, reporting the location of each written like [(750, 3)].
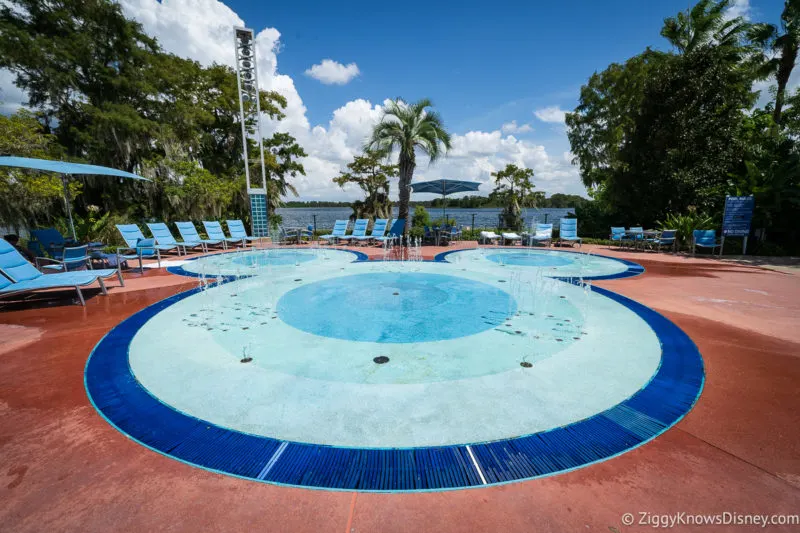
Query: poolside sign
[(737, 218)]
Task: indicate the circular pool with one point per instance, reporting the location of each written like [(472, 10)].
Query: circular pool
[(469, 370)]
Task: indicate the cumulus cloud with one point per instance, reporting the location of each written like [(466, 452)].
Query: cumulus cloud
[(551, 114), (512, 127), (202, 30), (332, 72), (739, 8)]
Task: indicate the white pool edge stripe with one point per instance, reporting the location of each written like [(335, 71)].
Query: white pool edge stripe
[(273, 460), (476, 465)]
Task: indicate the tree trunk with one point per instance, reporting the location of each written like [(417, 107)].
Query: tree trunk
[(788, 57), (406, 165)]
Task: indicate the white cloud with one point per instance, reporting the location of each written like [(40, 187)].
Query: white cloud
[(739, 8), (551, 114), (332, 72), (512, 127), (11, 97), (202, 30)]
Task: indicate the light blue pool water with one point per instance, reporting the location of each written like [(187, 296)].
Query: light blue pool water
[(395, 308), (388, 354), (274, 258), (535, 259)]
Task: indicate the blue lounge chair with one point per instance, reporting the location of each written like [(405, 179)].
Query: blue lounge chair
[(568, 231), (665, 239), (237, 231), (617, 235), (397, 230), (141, 247), (163, 236), (455, 233), (49, 241), (704, 238), (18, 276), (339, 231), (634, 235), (189, 234), (445, 233), (378, 230), (73, 258), (214, 232), (359, 229), (544, 233)]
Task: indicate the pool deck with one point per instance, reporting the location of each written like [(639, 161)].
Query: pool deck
[(65, 469)]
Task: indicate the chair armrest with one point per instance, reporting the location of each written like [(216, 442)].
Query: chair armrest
[(39, 261)]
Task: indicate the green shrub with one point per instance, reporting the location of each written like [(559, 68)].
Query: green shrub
[(685, 225), (416, 232), (420, 218)]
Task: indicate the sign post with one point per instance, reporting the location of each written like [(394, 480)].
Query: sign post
[(737, 218)]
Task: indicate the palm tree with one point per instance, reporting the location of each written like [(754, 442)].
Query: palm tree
[(706, 25), (783, 48), (406, 128)]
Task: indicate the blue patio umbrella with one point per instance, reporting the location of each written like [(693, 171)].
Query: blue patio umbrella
[(445, 187), (65, 169)]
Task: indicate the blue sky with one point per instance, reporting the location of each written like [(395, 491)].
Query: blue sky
[(482, 63), (500, 73)]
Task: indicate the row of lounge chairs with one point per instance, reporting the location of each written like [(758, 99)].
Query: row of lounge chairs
[(637, 237), (359, 234), (139, 247), (540, 234), (18, 275)]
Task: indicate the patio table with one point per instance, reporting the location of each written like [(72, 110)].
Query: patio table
[(296, 233), (643, 236)]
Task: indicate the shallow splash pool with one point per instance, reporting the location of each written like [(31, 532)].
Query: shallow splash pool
[(470, 370)]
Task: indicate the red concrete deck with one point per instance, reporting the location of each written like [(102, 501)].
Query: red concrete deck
[(63, 468)]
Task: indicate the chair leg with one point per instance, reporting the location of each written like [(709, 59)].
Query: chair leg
[(102, 286), (119, 275), (80, 296)]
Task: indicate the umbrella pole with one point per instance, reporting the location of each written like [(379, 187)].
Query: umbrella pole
[(69, 208), (444, 202)]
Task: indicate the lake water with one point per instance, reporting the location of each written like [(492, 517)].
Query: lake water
[(484, 217)]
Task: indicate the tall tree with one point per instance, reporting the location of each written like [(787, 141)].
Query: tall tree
[(515, 186), (407, 128), (88, 71), (603, 120), (111, 96), (663, 131), (782, 47), (28, 196), (370, 172), (282, 154), (706, 26)]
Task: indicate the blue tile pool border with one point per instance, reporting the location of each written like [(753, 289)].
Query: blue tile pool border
[(670, 394)]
